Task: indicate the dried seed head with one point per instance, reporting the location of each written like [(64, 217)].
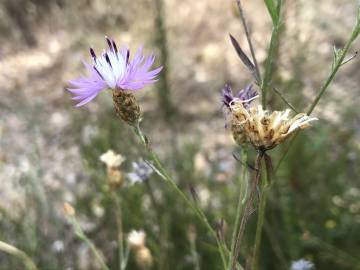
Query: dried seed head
[(114, 178), (143, 258), (68, 209), (264, 129), (126, 106), (238, 134)]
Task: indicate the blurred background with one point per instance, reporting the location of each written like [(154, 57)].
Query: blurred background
[(49, 150)]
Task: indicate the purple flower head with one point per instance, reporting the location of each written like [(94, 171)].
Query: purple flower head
[(141, 172), (113, 69), (245, 95)]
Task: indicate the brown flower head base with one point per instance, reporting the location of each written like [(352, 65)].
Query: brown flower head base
[(264, 129), (126, 107)]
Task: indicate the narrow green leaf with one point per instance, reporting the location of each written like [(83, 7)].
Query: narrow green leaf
[(278, 8), (272, 10)]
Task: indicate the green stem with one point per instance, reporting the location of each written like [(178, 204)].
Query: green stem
[(195, 254), (163, 174), (259, 228), (261, 214), (265, 84), (251, 47), (14, 251), (161, 235), (274, 242), (80, 233), (242, 198), (339, 61), (164, 94), (247, 212), (120, 235)]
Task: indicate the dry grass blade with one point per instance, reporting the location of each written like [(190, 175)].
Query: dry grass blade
[(243, 57)]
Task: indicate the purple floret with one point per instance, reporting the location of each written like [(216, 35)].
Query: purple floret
[(114, 70), (246, 95)]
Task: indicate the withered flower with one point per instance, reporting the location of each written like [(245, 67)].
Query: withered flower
[(245, 96), (113, 162), (262, 128)]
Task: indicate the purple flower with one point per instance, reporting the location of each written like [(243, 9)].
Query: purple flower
[(246, 95), (141, 172), (114, 70)]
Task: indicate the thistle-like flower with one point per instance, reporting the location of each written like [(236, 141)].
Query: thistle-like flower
[(264, 129), (114, 69)]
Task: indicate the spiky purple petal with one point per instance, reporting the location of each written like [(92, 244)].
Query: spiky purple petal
[(246, 95), (113, 69)]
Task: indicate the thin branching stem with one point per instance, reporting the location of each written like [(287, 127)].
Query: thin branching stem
[(195, 254), (163, 174), (14, 251), (120, 233), (261, 213), (274, 41), (284, 99), (240, 205), (248, 37), (247, 212), (275, 245), (338, 62), (350, 58), (80, 233), (269, 63)]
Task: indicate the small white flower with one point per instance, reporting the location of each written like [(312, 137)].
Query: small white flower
[(301, 265), (57, 246), (136, 239), (111, 159)]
